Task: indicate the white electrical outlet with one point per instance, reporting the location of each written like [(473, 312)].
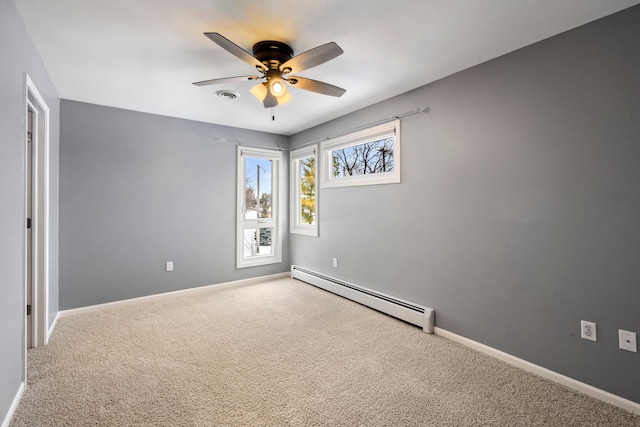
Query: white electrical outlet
[(169, 266), (335, 262), (628, 341), (588, 330)]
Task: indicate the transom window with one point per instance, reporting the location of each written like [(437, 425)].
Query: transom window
[(367, 157)]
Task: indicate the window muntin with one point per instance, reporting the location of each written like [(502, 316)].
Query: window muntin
[(304, 196), (259, 229), (367, 157)]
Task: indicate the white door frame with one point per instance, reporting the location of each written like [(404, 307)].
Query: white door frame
[(40, 216)]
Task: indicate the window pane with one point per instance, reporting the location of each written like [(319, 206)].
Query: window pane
[(257, 241), (364, 159), (258, 183), (258, 231), (308, 190), (304, 191)]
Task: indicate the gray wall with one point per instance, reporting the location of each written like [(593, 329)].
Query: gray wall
[(519, 209), (518, 214), (17, 57), (137, 190)]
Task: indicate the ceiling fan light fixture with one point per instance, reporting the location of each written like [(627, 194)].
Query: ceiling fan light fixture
[(284, 98), (276, 85), (277, 88), (260, 91)]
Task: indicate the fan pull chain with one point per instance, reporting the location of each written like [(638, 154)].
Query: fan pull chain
[(273, 115)]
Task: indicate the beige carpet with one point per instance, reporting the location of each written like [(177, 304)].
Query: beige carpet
[(275, 354)]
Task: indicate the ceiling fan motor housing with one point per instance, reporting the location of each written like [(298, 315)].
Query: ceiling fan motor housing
[(272, 53)]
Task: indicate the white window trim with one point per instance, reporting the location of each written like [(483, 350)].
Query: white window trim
[(371, 134), (296, 226), (275, 221)]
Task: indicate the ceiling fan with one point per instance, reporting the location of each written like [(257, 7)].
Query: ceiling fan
[(275, 62)]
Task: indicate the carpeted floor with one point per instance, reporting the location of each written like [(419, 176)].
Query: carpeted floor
[(275, 354)]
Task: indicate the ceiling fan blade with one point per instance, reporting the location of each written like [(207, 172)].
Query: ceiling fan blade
[(226, 80), (316, 86), (236, 50), (311, 58)]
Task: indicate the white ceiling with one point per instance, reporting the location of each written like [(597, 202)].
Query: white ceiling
[(143, 55)]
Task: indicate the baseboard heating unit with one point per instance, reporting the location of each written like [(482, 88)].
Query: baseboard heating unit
[(409, 312)]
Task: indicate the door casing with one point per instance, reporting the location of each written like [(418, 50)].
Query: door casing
[(37, 201)]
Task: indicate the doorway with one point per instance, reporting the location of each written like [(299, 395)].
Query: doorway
[(36, 218)]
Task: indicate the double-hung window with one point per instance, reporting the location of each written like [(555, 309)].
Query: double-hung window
[(304, 197), (259, 228)]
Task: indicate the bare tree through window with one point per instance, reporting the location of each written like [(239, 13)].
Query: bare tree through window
[(364, 159), (368, 156)]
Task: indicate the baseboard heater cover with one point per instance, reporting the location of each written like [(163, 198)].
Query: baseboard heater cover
[(415, 314)]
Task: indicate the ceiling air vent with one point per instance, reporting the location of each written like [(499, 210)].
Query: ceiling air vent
[(227, 94)]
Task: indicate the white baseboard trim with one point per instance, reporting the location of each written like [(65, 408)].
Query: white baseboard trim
[(587, 389), (14, 406), (52, 327), (99, 307)]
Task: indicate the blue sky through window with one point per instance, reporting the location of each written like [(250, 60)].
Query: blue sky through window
[(252, 166)]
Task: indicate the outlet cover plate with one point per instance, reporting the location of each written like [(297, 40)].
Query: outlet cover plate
[(628, 340), (588, 330), (169, 266)]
